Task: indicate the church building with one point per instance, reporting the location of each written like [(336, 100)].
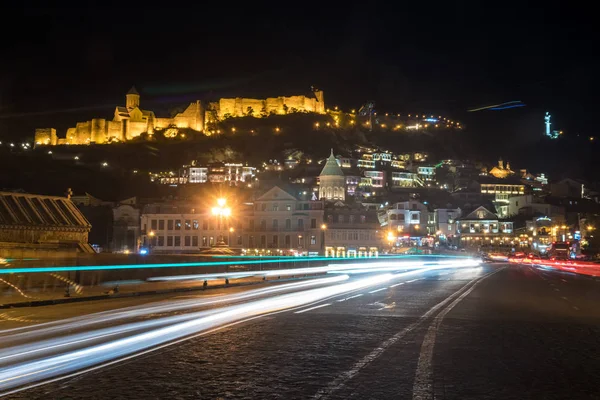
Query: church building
[(332, 181)]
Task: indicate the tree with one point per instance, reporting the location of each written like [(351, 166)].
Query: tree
[(263, 112), (285, 109), (249, 111)]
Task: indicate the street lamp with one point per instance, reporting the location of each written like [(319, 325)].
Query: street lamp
[(391, 238), (231, 230), (222, 212), (151, 235)]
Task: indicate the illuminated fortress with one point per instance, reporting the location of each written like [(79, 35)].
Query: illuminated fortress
[(131, 121)]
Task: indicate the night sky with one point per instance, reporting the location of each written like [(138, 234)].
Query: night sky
[(64, 65)]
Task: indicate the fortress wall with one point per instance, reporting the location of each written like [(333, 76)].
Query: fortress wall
[(136, 128), (71, 137), (255, 104), (192, 117), (226, 106), (274, 105), (45, 136), (163, 122), (83, 132), (300, 103), (98, 130), (114, 129)]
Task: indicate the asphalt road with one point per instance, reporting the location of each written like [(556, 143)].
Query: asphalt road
[(493, 332)]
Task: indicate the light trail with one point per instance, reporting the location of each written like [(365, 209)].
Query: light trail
[(55, 358), (46, 368), (24, 270)]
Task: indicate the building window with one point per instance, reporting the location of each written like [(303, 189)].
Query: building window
[(204, 241), (288, 207), (300, 224), (305, 206), (194, 241), (351, 217), (177, 224), (153, 225), (188, 224), (251, 241), (161, 225), (204, 225), (263, 241), (177, 241), (414, 217), (211, 241), (313, 239), (275, 207), (275, 224), (170, 225), (341, 219), (169, 241), (263, 225), (330, 219), (263, 207), (239, 240), (288, 224), (300, 239), (275, 241), (251, 225), (161, 241), (414, 207), (287, 241), (195, 225), (313, 223), (187, 241)]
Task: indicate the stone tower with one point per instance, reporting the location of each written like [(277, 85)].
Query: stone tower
[(332, 181), (133, 99)]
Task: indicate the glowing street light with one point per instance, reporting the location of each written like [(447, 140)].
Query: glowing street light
[(221, 211)]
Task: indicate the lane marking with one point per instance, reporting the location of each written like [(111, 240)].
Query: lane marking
[(397, 284), (377, 290), (575, 308), (341, 380), (564, 280), (312, 308), (557, 290), (355, 296), (423, 383), (564, 298), (411, 281)]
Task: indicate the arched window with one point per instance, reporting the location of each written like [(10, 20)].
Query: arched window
[(328, 195), (335, 193)]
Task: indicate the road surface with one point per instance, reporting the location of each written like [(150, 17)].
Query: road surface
[(497, 331)]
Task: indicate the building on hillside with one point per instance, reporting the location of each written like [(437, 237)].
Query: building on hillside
[(128, 122), (243, 107), (568, 188), (500, 191), (332, 183), (352, 232), (530, 206), (500, 171), (483, 228), (282, 223), (36, 223)]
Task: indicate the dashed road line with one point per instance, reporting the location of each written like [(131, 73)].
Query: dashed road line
[(397, 284), (564, 298), (575, 308), (312, 308), (344, 377), (377, 290), (411, 281), (556, 290)]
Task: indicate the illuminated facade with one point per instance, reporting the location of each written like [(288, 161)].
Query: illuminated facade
[(128, 123), (244, 107), (501, 171), (352, 233), (483, 228), (332, 183)]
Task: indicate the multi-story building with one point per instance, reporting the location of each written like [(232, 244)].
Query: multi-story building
[(426, 173), (198, 175), (501, 191), (482, 227), (281, 223), (531, 205), (405, 179), (377, 178), (445, 220), (408, 218), (185, 228), (352, 232)]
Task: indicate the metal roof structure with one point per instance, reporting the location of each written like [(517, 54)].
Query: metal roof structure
[(30, 211), (331, 167)]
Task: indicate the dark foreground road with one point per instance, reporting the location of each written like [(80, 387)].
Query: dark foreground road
[(494, 332)]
